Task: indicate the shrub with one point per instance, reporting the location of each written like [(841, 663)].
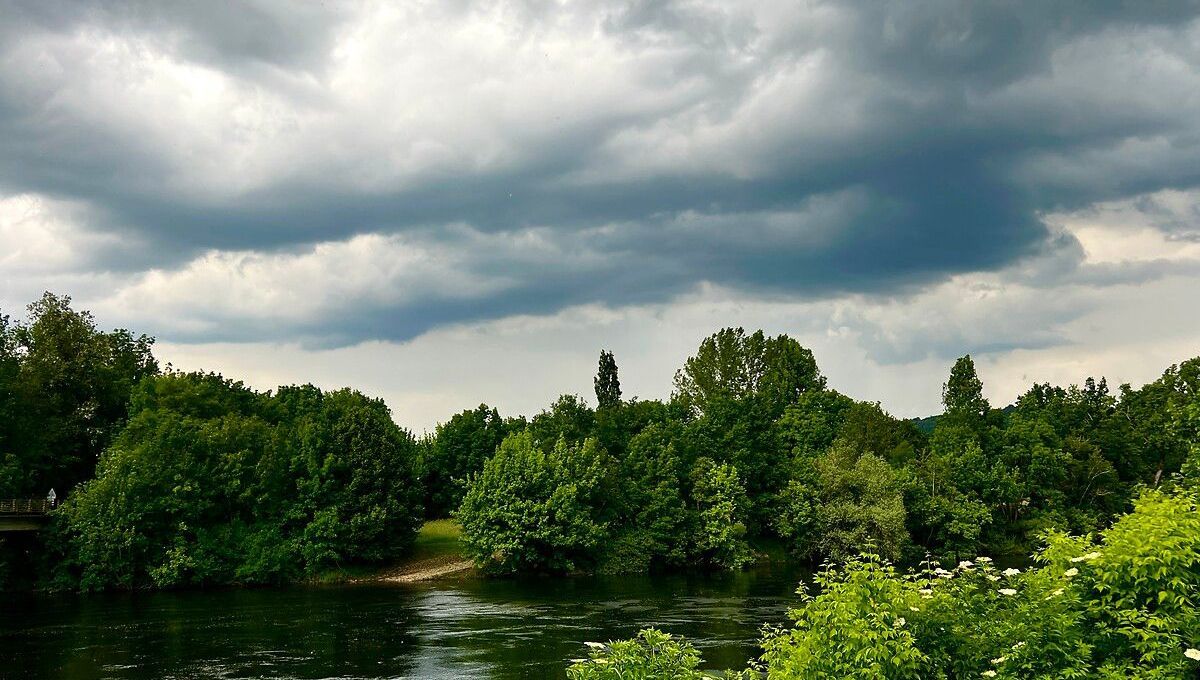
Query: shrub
[(652, 655)]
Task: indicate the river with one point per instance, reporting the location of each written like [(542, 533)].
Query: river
[(456, 629)]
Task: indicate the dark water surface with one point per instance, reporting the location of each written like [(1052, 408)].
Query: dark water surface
[(461, 629)]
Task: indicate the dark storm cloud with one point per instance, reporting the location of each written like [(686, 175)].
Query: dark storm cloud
[(794, 150)]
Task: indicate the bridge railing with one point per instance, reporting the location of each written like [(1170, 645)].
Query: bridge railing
[(25, 506)]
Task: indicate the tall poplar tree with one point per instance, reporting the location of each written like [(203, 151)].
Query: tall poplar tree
[(608, 385)]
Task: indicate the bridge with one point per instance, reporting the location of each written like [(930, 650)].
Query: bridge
[(24, 514)]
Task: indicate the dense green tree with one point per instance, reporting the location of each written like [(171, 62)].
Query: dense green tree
[(530, 510), (203, 480), (653, 519), (616, 427), (720, 503), (808, 427), (958, 493), (847, 501), (458, 448), (1123, 606), (743, 435), (735, 388), (608, 385)]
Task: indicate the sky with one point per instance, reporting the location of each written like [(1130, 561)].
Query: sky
[(447, 203)]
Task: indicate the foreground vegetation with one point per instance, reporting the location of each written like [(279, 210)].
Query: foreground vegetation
[(1125, 605), (190, 479)]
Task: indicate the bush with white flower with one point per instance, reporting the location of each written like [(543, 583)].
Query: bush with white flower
[(1124, 606)]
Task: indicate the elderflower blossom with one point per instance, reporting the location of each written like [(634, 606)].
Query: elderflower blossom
[(1011, 571), (1192, 653), (1019, 645), (983, 560), (1007, 591), (596, 645), (999, 660), (901, 621), (926, 593), (988, 674), (1086, 558), (942, 573), (966, 564), (1071, 572), (993, 578)]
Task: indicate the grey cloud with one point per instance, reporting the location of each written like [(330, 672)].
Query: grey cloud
[(929, 142)]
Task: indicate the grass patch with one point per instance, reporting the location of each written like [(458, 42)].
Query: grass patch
[(438, 538)]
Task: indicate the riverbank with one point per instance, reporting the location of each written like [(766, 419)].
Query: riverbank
[(437, 554)]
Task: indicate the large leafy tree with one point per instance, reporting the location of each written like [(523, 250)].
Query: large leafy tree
[(731, 365), (720, 502), (64, 393), (653, 517), (735, 388)]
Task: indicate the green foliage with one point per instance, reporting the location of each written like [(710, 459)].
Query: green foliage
[(1124, 606), (458, 448), (64, 393), (808, 427), (530, 510), (213, 483), (731, 365), (652, 655), (202, 480), (845, 502), (569, 418), (720, 500), (867, 428), (962, 396), (654, 513), (857, 627), (615, 427), (608, 385)]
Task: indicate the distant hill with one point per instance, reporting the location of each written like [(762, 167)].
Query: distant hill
[(927, 423)]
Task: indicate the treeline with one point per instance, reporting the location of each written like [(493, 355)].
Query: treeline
[(190, 479), (753, 446)]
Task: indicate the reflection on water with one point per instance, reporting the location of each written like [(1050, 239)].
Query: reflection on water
[(466, 629)]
